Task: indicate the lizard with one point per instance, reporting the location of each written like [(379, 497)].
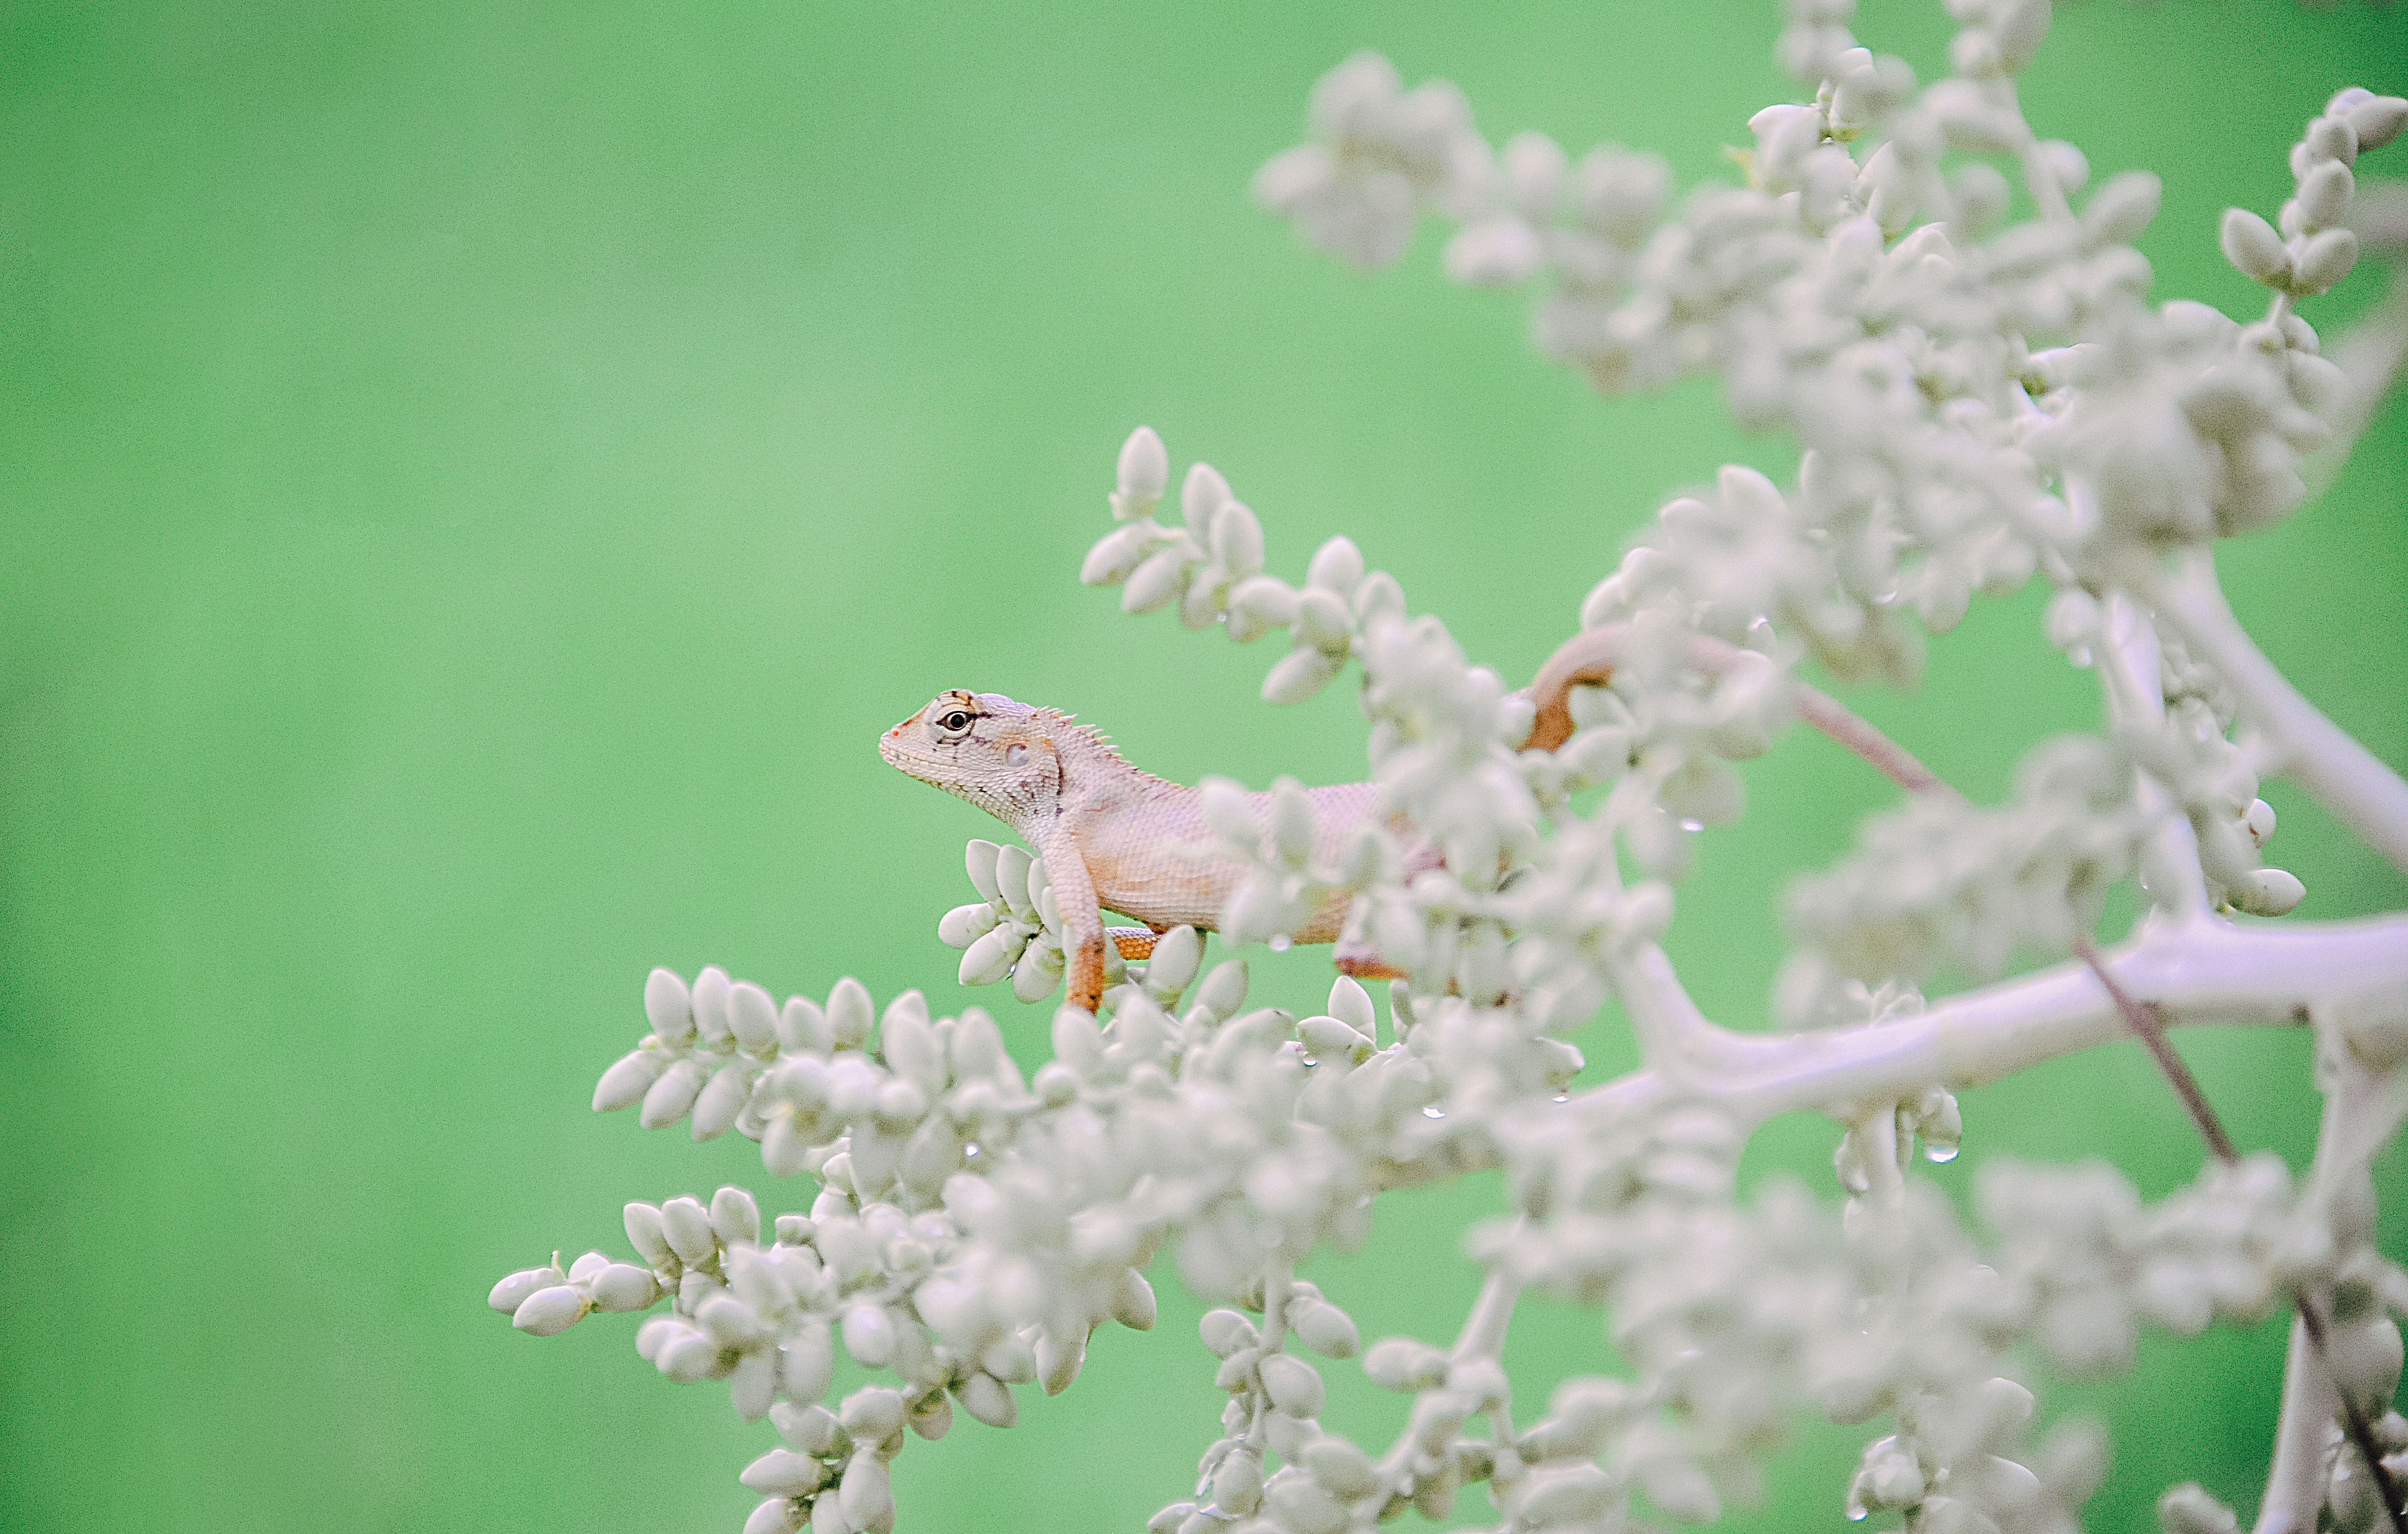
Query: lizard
[(1114, 836), (1117, 837)]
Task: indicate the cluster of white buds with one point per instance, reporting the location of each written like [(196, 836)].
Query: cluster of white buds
[(2088, 1263), (2309, 246), (1381, 155), (1938, 883), (1014, 928), (1211, 568), (1275, 1400)]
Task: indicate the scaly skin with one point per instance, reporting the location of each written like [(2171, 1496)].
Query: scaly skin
[(1114, 838)]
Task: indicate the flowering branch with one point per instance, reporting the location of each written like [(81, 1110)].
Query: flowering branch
[(1978, 402)]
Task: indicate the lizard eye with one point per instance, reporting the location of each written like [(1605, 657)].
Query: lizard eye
[(952, 725)]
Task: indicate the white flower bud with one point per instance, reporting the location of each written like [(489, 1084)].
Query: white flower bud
[(989, 1399), (849, 1013), (514, 1291), (688, 1356), (2187, 1509), (2376, 122), (687, 1228), (644, 1233), (868, 1335), (1039, 974), (803, 1027), (668, 1005), (2267, 892), (1300, 1503), (2251, 244), (1238, 1483), (1118, 553), (1321, 620), (782, 1472), (722, 1097), (2365, 1357), (1156, 583), (1133, 1302), (1259, 604), (1177, 955), (668, 1100), (2325, 195), (991, 956), (1237, 540), (778, 1515), (909, 1044), (735, 1216), (1293, 822), (1058, 1360), (752, 1384), (2119, 210), (964, 924), (810, 1427), (551, 1311), (1224, 990), (979, 857), (1341, 1466), (1400, 1363), (866, 1498), (710, 990), (2325, 260), (1337, 569), (806, 1363), (1325, 1329), (1496, 252), (752, 1018), (1202, 493), (1144, 472), (628, 1078), (1299, 675), (624, 1287)]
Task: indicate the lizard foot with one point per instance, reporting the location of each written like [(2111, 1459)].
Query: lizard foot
[(1365, 963), (1086, 989)]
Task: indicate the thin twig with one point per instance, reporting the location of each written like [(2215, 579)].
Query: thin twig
[(2144, 1020), (1590, 656)]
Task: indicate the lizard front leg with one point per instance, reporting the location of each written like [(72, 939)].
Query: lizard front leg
[(1082, 919)]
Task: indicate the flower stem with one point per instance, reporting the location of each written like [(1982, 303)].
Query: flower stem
[(2325, 760)]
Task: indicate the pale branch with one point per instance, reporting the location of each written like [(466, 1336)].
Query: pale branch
[(2295, 1488), (2130, 674), (2296, 1484), (1591, 655), (2322, 757), (2204, 971)]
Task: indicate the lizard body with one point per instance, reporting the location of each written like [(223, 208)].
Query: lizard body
[(1114, 836)]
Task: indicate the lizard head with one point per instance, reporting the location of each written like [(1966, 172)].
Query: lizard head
[(982, 747)]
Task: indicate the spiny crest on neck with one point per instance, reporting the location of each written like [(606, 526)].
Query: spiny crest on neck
[(1084, 741)]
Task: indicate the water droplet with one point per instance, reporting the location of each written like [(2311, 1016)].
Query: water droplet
[(1310, 1061), (970, 1150), (1939, 1153), (1433, 1111), (1281, 942), (1563, 1097), (1687, 825)]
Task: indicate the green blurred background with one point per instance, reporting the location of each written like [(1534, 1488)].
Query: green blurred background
[(477, 478)]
